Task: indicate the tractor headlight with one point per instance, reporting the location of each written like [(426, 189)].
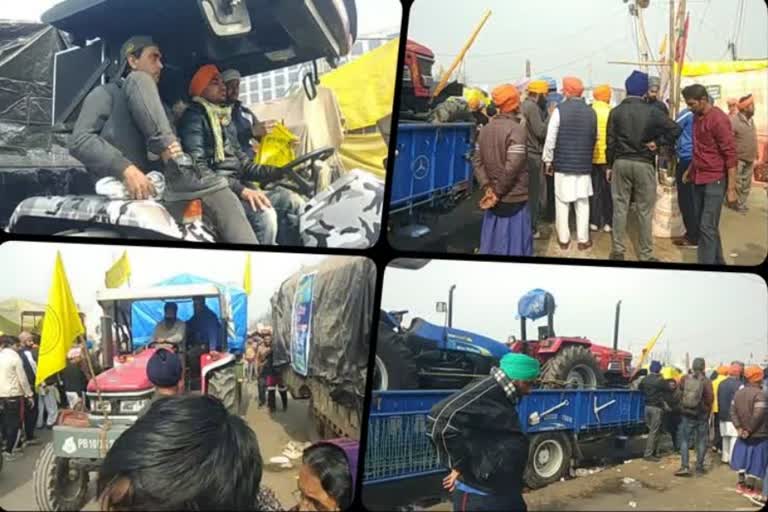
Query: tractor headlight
[(132, 406)]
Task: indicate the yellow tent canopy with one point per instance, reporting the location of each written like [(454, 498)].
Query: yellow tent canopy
[(365, 87), (10, 314), (691, 69)]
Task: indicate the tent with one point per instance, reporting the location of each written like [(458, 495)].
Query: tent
[(146, 314), (365, 89), (734, 79), (10, 314)]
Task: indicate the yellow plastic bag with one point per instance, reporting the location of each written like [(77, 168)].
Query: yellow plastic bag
[(276, 147)]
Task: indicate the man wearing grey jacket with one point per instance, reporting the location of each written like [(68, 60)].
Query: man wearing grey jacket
[(124, 120)]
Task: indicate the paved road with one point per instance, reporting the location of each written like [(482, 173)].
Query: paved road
[(273, 432)]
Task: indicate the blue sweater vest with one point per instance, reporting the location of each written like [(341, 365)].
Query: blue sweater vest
[(576, 137)]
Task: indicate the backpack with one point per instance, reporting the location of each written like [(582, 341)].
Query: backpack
[(693, 391)]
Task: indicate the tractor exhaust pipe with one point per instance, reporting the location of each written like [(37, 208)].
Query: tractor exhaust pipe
[(107, 344), (450, 305), (616, 327)]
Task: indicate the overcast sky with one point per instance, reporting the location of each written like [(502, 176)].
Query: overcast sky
[(720, 316), (373, 15), (563, 37), (26, 269)]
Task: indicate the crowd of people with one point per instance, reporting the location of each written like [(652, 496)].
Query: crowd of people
[(538, 158), (725, 412), (202, 150), (26, 407)]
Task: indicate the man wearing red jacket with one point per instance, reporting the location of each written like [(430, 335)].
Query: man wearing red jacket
[(712, 170)]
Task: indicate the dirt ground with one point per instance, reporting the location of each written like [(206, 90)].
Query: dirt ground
[(745, 236), (273, 432), (627, 483)]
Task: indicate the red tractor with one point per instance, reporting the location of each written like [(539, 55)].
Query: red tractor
[(573, 361)]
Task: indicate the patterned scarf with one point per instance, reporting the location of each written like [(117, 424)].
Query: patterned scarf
[(218, 116)]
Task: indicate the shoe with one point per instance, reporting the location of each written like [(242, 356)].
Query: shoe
[(607, 228), (652, 458), (593, 227), (683, 472), (9, 457), (750, 492), (32, 442), (616, 256), (684, 243), (563, 246), (758, 500), (652, 259), (701, 471), (584, 246)]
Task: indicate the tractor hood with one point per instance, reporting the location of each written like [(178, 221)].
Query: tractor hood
[(457, 339), (126, 377)]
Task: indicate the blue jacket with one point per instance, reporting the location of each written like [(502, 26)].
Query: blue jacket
[(725, 392), (684, 145), (204, 327), (575, 137)]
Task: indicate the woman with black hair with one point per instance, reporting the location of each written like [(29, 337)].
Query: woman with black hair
[(185, 453), (327, 476)]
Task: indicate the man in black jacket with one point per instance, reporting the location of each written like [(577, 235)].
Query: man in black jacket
[(635, 130), (654, 387), (246, 123), (209, 135), (478, 436)]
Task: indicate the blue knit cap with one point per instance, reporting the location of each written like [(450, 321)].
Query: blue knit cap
[(637, 83), (655, 367)]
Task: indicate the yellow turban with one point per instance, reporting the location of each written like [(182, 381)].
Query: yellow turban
[(602, 93), (538, 86)]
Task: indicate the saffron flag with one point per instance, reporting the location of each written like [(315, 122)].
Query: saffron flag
[(119, 273), (247, 276), (61, 325)]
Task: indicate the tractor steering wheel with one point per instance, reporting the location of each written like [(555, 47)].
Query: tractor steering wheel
[(307, 188)]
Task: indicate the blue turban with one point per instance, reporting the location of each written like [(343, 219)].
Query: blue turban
[(655, 367), (164, 369), (520, 367), (636, 84)]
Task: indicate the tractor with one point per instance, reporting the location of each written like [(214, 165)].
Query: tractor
[(569, 360), (115, 396)]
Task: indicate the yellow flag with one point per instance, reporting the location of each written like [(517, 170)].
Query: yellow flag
[(61, 325), (119, 273), (648, 348), (663, 47), (247, 276)]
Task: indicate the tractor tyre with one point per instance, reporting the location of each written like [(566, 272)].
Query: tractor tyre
[(394, 366), (57, 487), (575, 366), (549, 459), (222, 383)]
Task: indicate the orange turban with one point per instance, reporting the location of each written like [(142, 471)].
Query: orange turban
[(506, 97), (746, 102), (572, 86), (602, 93), (538, 86), (201, 79), (753, 374), (723, 370)]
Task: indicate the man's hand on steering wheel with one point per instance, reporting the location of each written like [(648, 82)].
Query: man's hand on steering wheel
[(257, 199)]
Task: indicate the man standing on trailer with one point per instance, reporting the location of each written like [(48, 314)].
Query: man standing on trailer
[(478, 428)]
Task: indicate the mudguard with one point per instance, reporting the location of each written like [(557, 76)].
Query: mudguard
[(101, 211), (345, 215)]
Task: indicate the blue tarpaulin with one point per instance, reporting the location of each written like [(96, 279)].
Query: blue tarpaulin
[(535, 304), (146, 314)]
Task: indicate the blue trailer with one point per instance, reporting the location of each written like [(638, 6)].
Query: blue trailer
[(557, 421), (432, 168)]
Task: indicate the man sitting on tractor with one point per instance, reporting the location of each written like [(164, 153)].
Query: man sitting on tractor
[(209, 135), (124, 120), (204, 326), (246, 123), (164, 372), (170, 331)]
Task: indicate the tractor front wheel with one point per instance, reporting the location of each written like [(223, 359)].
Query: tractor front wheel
[(222, 384), (549, 458), (575, 367), (57, 485)]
